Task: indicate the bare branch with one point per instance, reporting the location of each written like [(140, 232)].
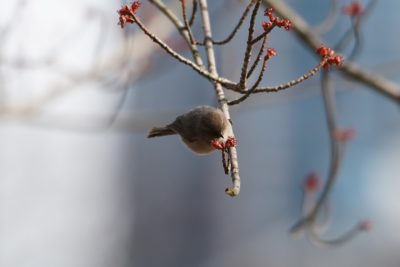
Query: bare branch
[(258, 58), (251, 90), (302, 78), (338, 241), (194, 11), (187, 25), (233, 191), (238, 25), (247, 54)]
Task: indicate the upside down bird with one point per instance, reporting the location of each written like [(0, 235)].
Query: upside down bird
[(199, 129)]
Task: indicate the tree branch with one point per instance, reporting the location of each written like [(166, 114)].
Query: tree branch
[(210, 76), (237, 27), (349, 69), (249, 45), (233, 191), (180, 27)]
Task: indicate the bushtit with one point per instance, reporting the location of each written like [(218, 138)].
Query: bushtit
[(198, 128)]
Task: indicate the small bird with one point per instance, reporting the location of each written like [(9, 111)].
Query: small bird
[(198, 128)]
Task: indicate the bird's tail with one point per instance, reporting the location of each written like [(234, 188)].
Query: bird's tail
[(160, 131)]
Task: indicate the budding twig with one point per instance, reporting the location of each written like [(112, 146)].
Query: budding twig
[(349, 69), (264, 34)]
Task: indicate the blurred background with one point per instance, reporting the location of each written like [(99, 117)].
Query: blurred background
[(82, 186)]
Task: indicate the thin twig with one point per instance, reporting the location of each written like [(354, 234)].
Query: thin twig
[(356, 25), (237, 27), (185, 20), (302, 78), (247, 54), (251, 90), (258, 38), (335, 242), (321, 223), (194, 11), (258, 58), (235, 189), (225, 162)]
